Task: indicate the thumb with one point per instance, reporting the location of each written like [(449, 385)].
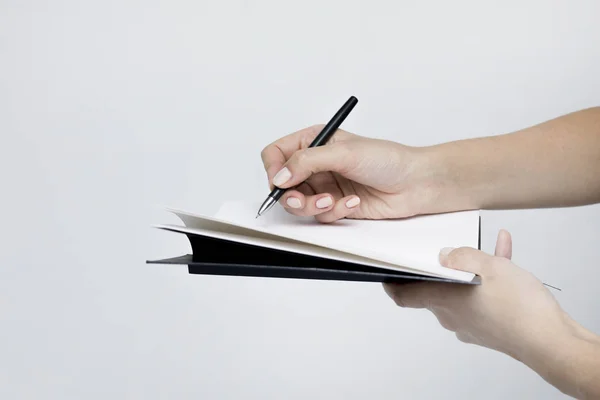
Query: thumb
[(303, 163), (503, 244), (465, 259)]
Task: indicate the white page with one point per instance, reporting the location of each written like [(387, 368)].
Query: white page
[(411, 243), (275, 242)]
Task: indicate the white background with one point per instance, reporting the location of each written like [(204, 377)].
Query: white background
[(110, 108)]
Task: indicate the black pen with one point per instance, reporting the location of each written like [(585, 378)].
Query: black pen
[(320, 140)]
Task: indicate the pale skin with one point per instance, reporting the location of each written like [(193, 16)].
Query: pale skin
[(552, 164)]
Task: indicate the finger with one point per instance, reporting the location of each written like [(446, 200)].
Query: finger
[(293, 200), (305, 188), (417, 295), (325, 182), (313, 205), (296, 198), (278, 152), (306, 162), (465, 259), (341, 209), (503, 245), (445, 318)]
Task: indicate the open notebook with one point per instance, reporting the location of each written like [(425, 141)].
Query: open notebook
[(280, 245)]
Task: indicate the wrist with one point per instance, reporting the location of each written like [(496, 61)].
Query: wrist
[(447, 179), (565, 357)]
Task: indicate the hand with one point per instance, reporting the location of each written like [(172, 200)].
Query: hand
[(349, 177), (511, 311)]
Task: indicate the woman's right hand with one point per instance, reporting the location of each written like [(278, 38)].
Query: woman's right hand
[(351, 177)]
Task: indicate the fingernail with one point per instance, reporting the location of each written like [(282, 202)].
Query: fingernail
[(353, 202), (282, 177), (446, 250), (294, 202), (324, 202)]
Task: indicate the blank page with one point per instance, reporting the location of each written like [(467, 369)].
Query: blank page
[(412, 243), (274, 242)]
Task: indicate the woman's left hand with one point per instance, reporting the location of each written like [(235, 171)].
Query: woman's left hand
[(511, 311)]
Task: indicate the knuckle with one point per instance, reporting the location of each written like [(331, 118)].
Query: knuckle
[(399, 300), (310, 134), (316, 128), (263, 153), (301, 157), (462, 337), (446, 324)]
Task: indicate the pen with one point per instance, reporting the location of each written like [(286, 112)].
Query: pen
[(320, 140)]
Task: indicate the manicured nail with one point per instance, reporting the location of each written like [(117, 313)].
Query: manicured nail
[(282, 177), (446, 250), (294, 202), (324, 202), (353, 202)]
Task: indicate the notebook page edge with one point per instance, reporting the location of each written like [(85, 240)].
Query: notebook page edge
[(302, 248), (420, 267)]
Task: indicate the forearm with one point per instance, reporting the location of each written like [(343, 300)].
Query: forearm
[(571, 364), (553, 164)]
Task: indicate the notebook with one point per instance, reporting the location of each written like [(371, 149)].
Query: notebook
[(233, 242)]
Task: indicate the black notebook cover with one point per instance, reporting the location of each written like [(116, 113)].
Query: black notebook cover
[(213, 256)]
